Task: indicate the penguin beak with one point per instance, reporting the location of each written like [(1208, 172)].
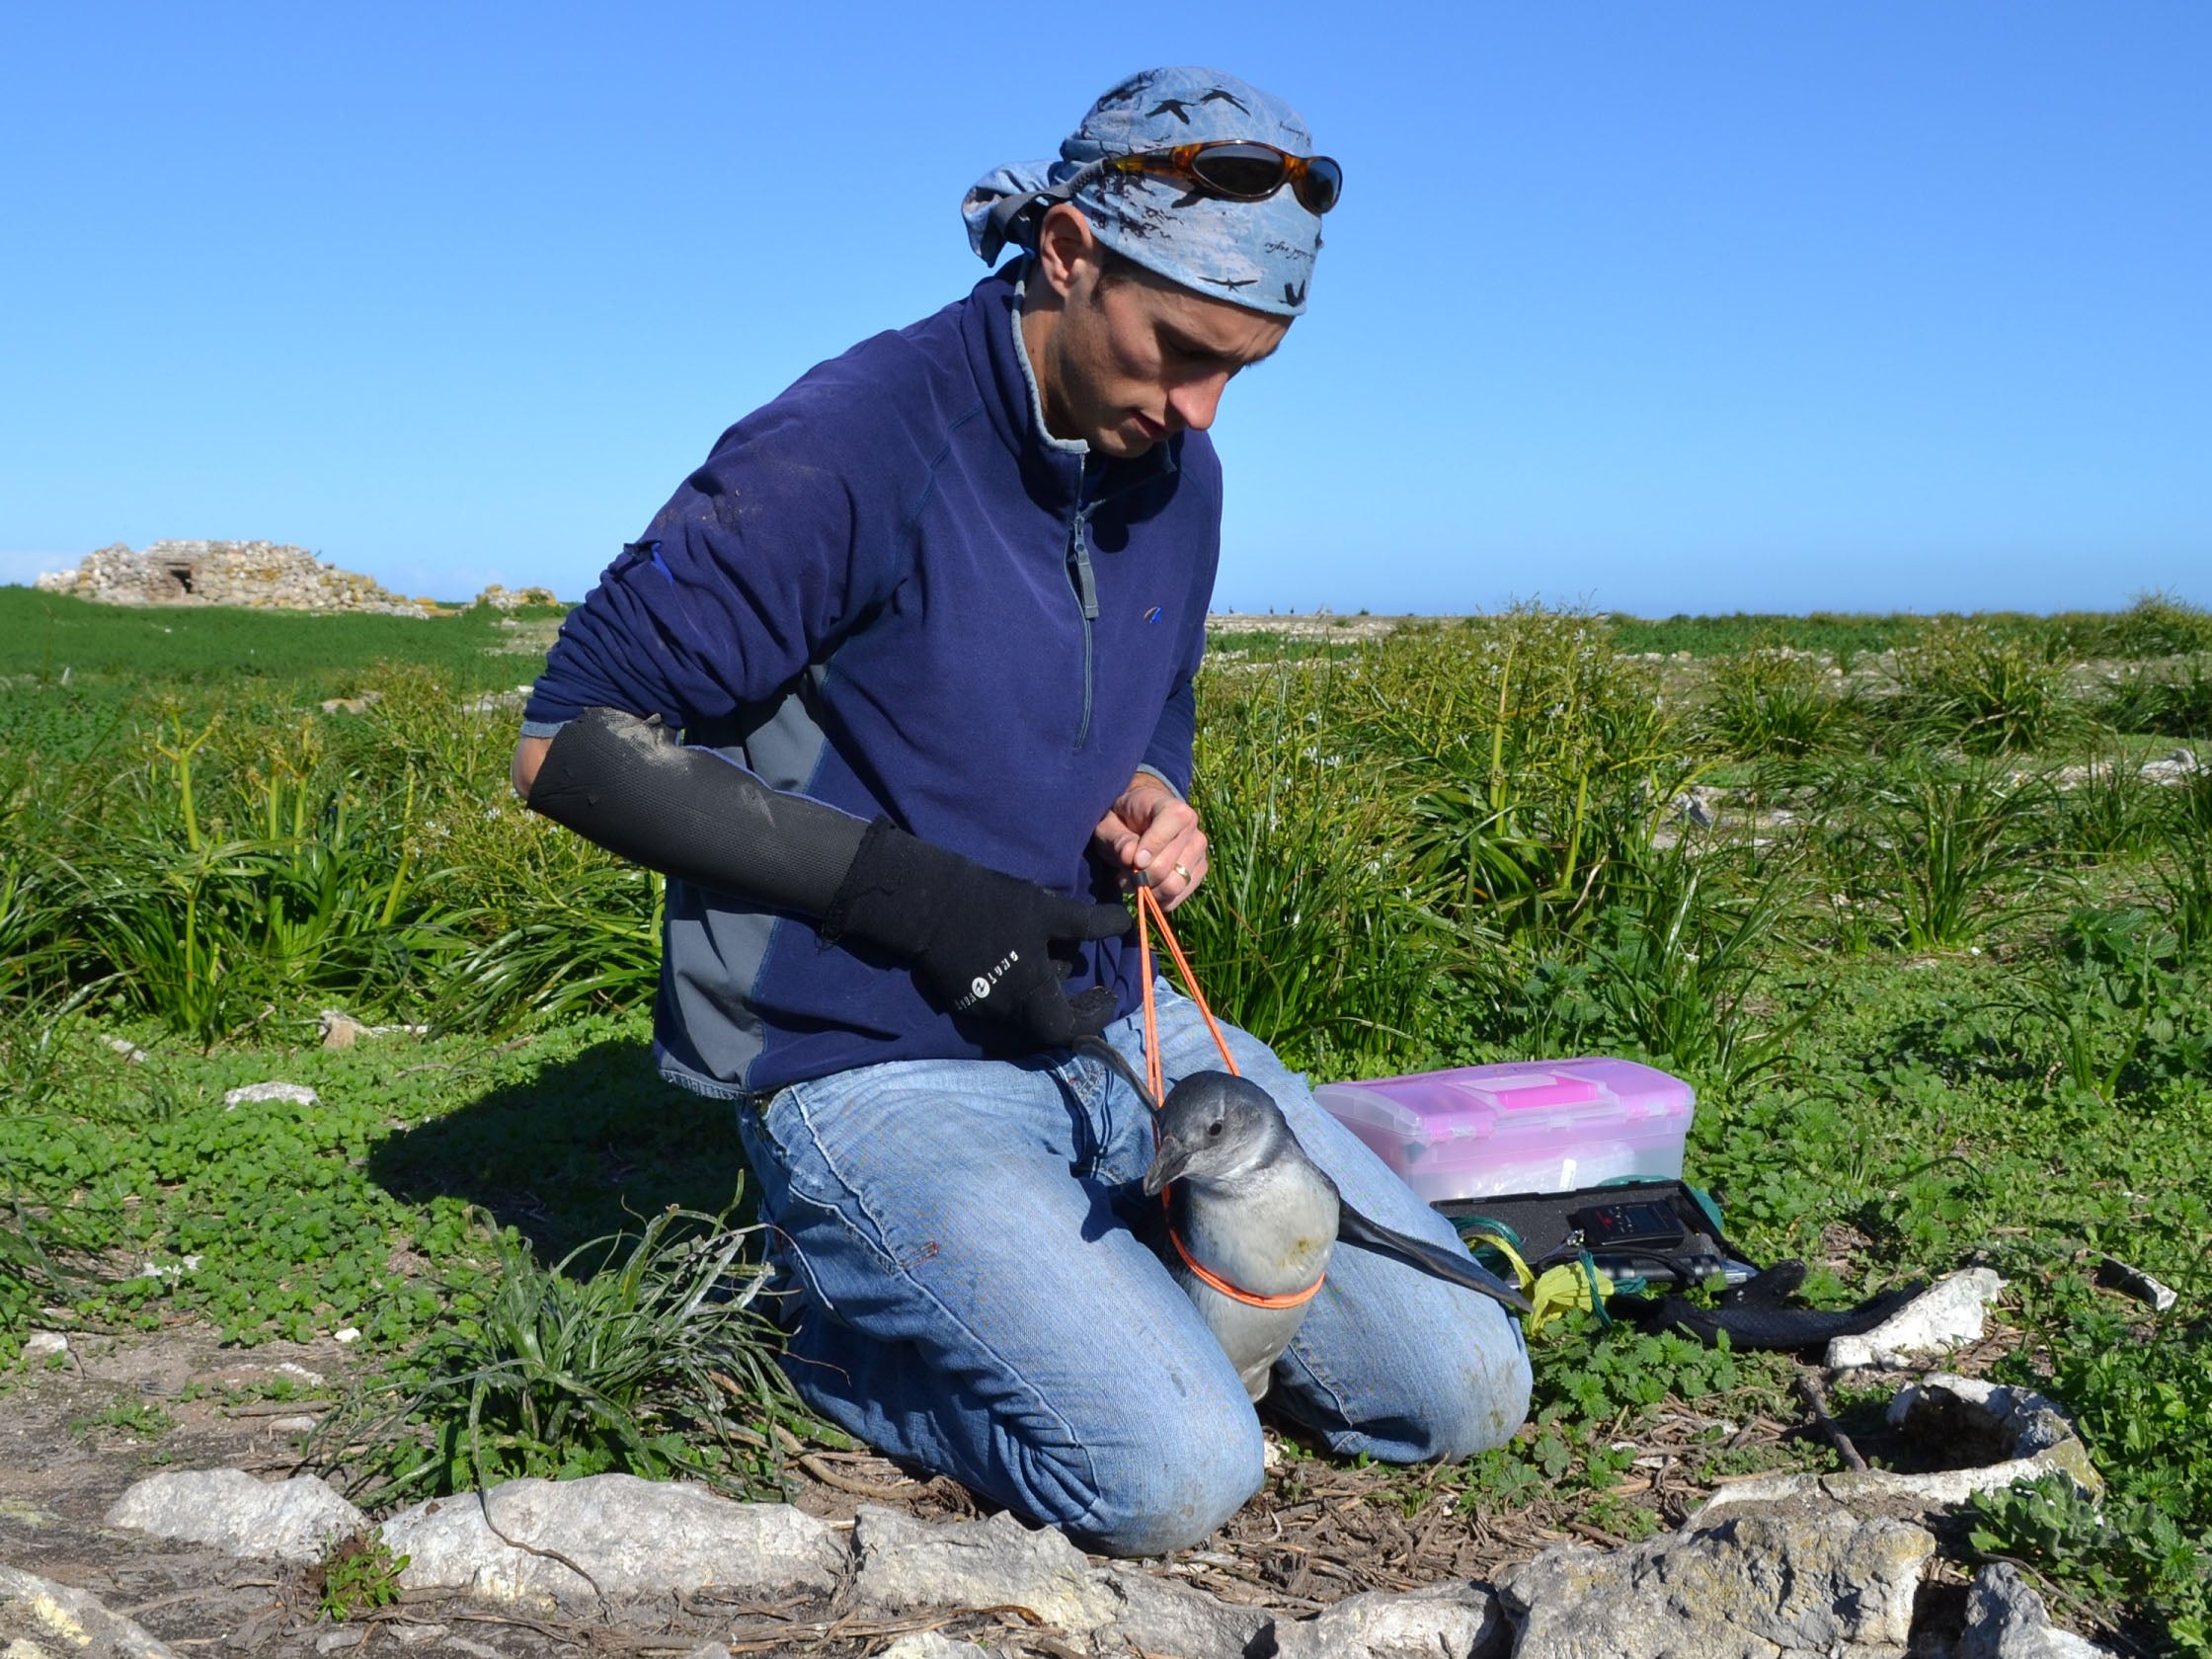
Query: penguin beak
[(1168, 1163)]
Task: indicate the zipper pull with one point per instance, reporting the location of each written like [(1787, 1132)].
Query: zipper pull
[(1086, 579)]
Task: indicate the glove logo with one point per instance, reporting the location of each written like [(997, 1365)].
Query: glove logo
[(979, 988)]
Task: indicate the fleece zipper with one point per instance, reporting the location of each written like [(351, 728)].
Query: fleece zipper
[(1085, 580)]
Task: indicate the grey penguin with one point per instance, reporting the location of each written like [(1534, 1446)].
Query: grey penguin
[(1248, 1208)]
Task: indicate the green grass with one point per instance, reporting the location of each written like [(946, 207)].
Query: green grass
[(50, 639), (1942, 974)]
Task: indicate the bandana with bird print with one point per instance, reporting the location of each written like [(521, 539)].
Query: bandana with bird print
[(1257, 254)]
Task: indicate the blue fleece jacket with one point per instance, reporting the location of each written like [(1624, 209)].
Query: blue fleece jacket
[(893, 591)]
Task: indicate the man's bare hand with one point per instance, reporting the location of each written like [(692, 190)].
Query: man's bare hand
[(1153, 837)]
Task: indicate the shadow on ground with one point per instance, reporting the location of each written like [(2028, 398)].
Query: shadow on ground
[(589, 1145)]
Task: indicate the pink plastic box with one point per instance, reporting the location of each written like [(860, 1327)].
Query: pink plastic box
[(1532, 1126)]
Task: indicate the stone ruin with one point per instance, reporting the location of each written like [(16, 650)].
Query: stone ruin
[(260, 573), (515, 599)]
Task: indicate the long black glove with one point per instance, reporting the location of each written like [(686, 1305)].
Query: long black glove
[(980, 941)]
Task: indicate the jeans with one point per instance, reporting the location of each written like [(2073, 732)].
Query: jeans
[(970, 1295)]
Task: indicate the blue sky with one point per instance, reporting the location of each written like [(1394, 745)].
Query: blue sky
[(1687, 307)]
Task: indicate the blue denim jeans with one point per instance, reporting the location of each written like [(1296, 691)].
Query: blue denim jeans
[(971, 1296)]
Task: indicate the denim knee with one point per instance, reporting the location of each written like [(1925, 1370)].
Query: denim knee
[(1173, 1479), (1488, 1401)]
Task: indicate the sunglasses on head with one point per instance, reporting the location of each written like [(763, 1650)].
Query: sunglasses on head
[(1241, 169)]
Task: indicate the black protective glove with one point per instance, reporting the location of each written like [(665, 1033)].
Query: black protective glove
[(981, 943)]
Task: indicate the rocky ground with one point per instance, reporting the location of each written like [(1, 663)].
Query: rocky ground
[(1330, 1558)]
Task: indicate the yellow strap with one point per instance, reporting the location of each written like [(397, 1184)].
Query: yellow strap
[(1563, 1290), (1497, 1242)]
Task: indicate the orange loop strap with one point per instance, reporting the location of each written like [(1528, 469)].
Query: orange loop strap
[(1149, 910), (1297, 1298)]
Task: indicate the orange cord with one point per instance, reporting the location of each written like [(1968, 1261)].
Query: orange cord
[(1297, 1298), (1149, 910)]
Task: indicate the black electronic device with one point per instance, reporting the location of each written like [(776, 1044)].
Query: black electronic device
[(1614, 1226)]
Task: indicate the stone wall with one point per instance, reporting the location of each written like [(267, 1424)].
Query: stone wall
[(259, 574)]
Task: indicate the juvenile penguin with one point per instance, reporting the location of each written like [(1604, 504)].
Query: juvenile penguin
[(1247, 1210)]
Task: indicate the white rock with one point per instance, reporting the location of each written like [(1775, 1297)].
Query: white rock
[(904, 1563), (129, 1051), (2020, 1435), (2176, 768), (228, 1508), (629, 1535), (296, 1094), (1947, 1314), (228, 573), (929, 1644), (41, 1345), (348, 1335), (345, 1636), (290, 1367), (46, 1619), (1455, 1621), (2021, 1420), (1739, 1586), (2117, 1275), (2005, 1620), (1160, 1615), (290, 1425)]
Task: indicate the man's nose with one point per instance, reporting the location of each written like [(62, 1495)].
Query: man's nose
[(1194, 402)]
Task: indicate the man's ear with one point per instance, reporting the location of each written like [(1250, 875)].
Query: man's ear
[(1068, 249)]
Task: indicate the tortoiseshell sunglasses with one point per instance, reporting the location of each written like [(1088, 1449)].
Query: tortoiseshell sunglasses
[(1241, 170)]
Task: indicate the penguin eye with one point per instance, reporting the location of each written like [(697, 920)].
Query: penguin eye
[(1213, 1127)]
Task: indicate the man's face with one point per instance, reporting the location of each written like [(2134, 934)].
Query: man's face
[(1130, 361)]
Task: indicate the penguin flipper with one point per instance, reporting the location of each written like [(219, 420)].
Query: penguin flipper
[(1356, 1228)]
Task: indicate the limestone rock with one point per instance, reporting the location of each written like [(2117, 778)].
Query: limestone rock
[(1459, 1620), (292, 1095), (1783, 1584), (1946, 1316), (501, 597), (932, 1644), (902, 1564), (1160, 1615), (2000, 1434), (629, 1535), (229, 1510), (261, 574), (38, 1617), (2005, 1620)]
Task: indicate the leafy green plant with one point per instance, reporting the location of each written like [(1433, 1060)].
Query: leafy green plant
[(1673, 973), (1988, 692), (2156, 625), (2169, 699), (2108, 1557), (1539, 761), (138, 1417), (358, 1574), (2107, 811), (2184, 871), (1773, 701), (1318, 928), (1938, 848), (2110, 1009), (659, 1364)]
